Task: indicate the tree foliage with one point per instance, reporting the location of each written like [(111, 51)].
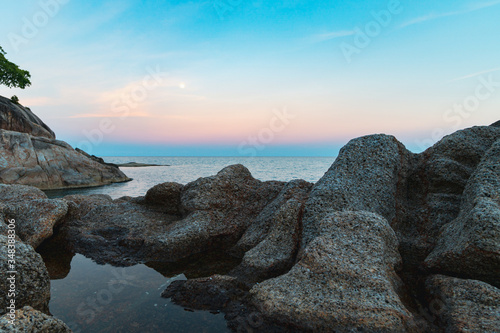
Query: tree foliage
[(11, 75)]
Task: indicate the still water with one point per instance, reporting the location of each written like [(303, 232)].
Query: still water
[(102, 298), (186, 169)]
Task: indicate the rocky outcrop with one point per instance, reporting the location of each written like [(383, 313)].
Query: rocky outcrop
[(30, 155), (32, 285), (345, 280), (366, 248), (15, 117), (436, 182), (459, 305), (470, 245), (31, 320), (216, 212), (367, 175)]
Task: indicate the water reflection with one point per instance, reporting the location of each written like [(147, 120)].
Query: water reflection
[(103, 298)]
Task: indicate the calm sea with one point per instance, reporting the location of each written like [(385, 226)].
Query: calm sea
[(186, 169), (94, 298)]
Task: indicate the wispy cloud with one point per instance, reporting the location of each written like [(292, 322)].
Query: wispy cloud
[(331, 35), (434, 16), (475, 74)]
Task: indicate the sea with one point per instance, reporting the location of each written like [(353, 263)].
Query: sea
[(187, 169), (101, 298)]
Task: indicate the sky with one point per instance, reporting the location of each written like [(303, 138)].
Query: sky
[(254, 77)]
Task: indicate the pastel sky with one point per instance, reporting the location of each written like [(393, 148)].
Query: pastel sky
[(254, 77)]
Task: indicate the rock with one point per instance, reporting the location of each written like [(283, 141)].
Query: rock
[(167, 195), (344, 281), (217, 210), (496, 124), (15, 117), (463, 305), (367, 175), (17, 193), (32, 279), (31, 320), (35, 219), (435, 183), (275, 254), (470, 245), (80, 205), (50, 164), (30, 155), (294, 190)]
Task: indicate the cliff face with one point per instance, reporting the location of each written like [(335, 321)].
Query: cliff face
[(30, 155)]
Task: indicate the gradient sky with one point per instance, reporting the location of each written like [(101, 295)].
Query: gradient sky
[(229, 67)]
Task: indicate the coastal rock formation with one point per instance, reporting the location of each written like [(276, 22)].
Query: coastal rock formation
[(463, 305), (34, 214), (14, 117), (31, 320), (32, 283), (167, 195), (367, 175), (345, 280), (30, 155), (366, 248), (436, 183), (470, 245), (216, 212)]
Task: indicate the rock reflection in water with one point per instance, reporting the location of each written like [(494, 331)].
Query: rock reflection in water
[(103, 298)]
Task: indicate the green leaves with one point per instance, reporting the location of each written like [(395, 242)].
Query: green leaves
[(11, 75)]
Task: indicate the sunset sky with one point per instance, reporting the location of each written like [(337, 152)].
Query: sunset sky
[(242, 78)]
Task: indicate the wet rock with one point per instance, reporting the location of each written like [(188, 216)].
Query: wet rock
[(344, 281), (32, 279), (167, 195), (367, 175), (31, 320), (470, 245), (464, 305)]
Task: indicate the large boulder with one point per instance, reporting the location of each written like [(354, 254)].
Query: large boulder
[(30, 320), (463, 305), (344, 281), (470, 245), (367, 175), (30, 155), (32, 280)]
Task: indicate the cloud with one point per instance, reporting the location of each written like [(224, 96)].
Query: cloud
[(475, 74), (434, 16), (331, 35)]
